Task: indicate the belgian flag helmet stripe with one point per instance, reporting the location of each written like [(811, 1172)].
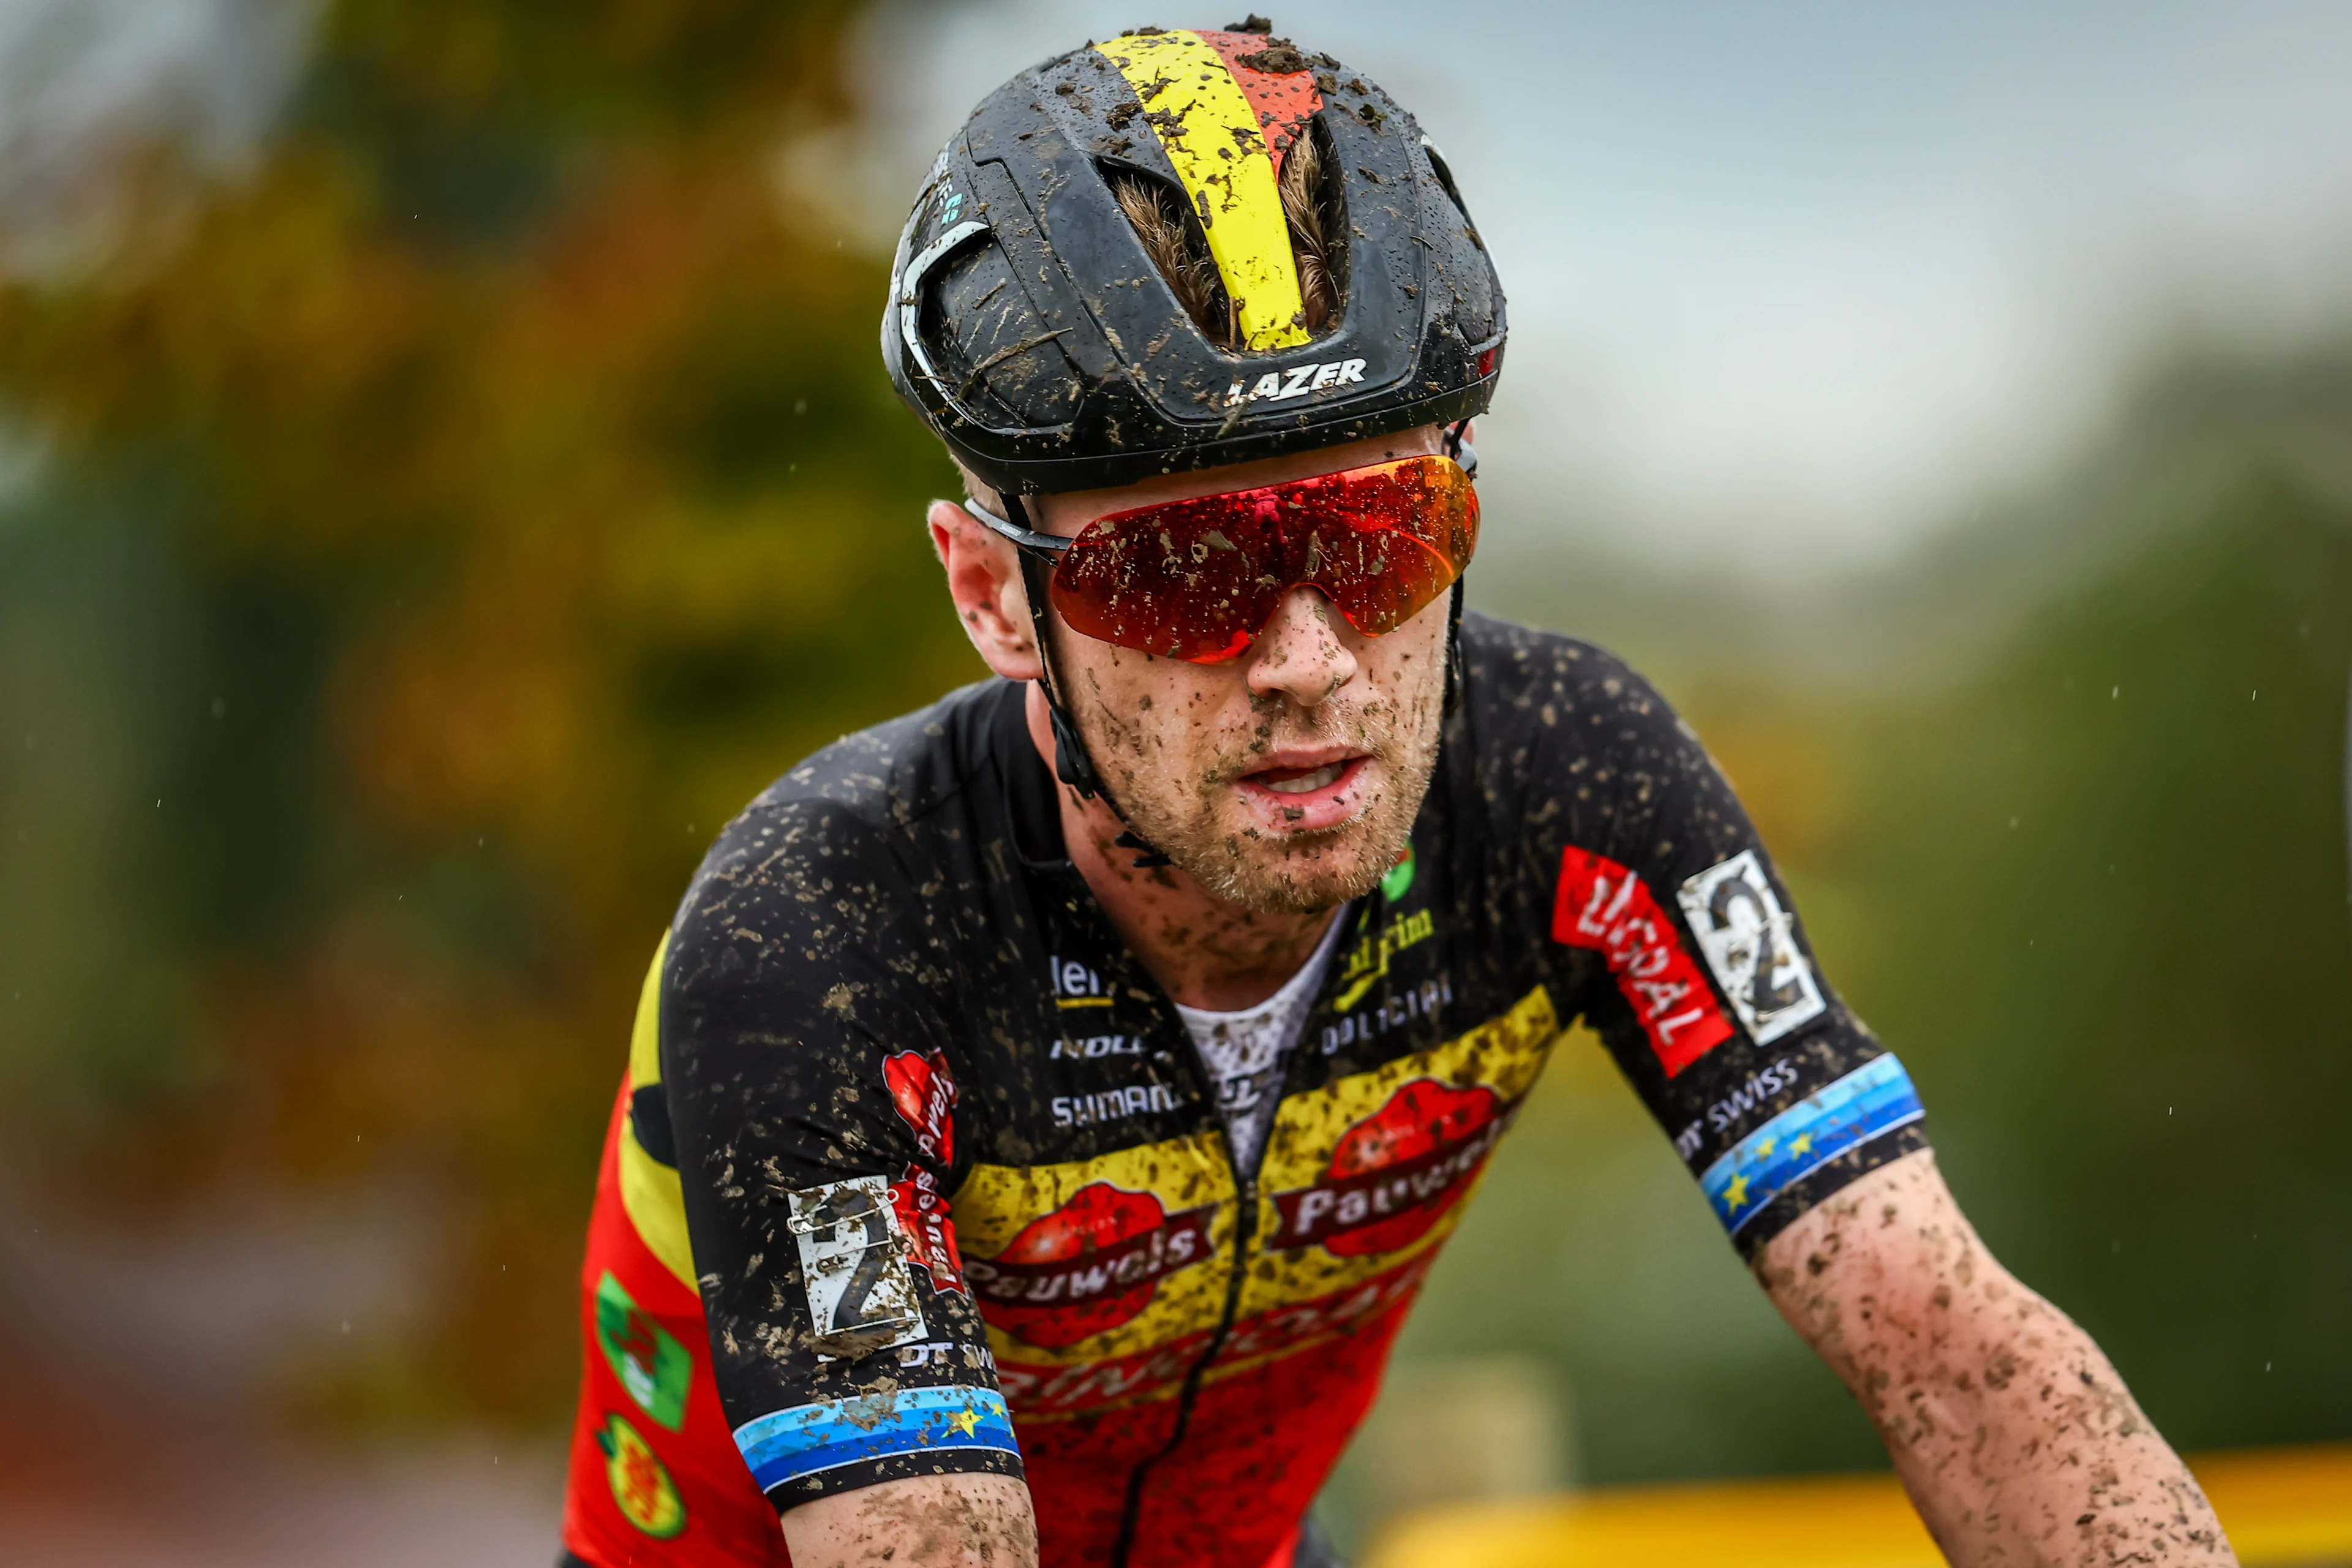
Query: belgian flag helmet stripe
[(1214, 117)]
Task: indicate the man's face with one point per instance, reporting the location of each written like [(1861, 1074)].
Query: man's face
[(1286, 778)]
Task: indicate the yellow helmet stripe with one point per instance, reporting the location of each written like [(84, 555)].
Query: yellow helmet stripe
[(1211, 136)]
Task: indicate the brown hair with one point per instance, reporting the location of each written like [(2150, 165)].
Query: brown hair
[(1180, 251)]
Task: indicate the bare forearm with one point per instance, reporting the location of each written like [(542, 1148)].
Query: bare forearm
[(2011, 1432), (929, 1521)]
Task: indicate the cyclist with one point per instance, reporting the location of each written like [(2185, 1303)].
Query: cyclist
[(1044, 1106)]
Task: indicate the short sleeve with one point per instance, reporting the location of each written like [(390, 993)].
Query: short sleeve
[(1674, 935), (813, 1109)]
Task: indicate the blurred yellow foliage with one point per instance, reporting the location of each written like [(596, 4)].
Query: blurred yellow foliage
[(563, 434)]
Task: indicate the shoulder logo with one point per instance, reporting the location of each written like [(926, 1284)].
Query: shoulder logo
[(1605, 907), (924, 1093), (1297, 381), (1746, 936)]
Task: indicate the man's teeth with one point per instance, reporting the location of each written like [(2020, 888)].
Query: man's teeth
[(1329, 774)]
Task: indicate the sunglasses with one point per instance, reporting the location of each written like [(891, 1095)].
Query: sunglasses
[(1197, 579)]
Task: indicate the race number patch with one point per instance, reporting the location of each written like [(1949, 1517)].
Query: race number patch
[(861, 1294), (1744, 932)]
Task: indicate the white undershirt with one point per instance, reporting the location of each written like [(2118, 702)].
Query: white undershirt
[(1246, 1052)]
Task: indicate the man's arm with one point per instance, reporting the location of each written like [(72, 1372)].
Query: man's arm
[(2014, 1436), (929, 1521)]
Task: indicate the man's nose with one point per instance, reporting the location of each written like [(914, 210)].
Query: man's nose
[(1301, 653)]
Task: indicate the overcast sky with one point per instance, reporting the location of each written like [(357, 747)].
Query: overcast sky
[(1792, 284)]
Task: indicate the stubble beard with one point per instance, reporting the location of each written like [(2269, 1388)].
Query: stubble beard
[(1196, 821)]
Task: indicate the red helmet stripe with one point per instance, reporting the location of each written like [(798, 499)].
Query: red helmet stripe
[(1282, 100)]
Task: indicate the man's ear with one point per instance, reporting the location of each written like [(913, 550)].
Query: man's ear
[(984, 580)]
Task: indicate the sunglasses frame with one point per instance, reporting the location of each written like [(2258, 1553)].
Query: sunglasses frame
[(1046, 549), (1039, 553)]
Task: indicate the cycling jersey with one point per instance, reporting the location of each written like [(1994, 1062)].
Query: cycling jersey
[(916, 1169)]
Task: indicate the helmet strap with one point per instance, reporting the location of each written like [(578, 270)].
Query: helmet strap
[(1072, 766), (1453, 667), (1461, 452)]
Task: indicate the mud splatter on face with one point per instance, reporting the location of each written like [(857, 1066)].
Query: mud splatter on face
[(1178, 741)]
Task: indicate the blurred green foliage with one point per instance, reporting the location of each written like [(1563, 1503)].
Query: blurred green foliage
[(442, 529), (2092, 889)]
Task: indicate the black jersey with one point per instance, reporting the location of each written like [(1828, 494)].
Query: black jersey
[(955, 1187)]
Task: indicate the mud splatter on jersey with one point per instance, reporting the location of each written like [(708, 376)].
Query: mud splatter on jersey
[(887, 968)]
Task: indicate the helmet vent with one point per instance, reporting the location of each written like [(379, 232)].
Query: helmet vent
[(1314, 208), (1444, 173), (1171, 236), (1315, 205)]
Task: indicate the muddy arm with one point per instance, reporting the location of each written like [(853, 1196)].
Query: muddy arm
[(2014, 1436), (965, 1521)]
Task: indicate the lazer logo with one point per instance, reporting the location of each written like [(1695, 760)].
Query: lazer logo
[(1296, 381)]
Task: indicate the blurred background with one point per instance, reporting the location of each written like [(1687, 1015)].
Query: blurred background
[(445, 471)]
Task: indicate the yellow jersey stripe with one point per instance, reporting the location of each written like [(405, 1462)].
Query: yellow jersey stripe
[(1212, 137), (651, 1192)]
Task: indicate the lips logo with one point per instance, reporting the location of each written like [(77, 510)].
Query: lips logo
[(1087, 1266), (1395, 1174)]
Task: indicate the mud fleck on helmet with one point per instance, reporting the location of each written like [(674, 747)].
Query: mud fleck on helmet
[(1183, 248)]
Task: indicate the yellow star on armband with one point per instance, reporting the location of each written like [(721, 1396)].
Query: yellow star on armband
[(1735, 1193), (966, 1421), (1802, 1143), (1764, 1147)]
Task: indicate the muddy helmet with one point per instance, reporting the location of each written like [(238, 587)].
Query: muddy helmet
[(1182, 248)]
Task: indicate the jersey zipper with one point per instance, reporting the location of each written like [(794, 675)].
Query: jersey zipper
[(1244, 1232)]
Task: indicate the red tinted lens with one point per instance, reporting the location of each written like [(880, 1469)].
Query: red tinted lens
[(1384, 542), (1196, 579), (1191, 579)]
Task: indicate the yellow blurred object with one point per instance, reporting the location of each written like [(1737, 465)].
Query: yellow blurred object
[(2280, 1506)]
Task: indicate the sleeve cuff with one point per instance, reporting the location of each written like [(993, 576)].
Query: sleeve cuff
[(814, 1450), (1841, 1130)]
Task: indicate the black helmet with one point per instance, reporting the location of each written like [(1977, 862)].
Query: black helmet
[(1177, 250)]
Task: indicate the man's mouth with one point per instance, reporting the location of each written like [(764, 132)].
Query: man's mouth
[(1299, 781), (1310, 793)]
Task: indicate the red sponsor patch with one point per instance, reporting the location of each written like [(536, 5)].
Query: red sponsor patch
[(1087, 1266), (924, 1094), (1604, 907), (1395, 1173)]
